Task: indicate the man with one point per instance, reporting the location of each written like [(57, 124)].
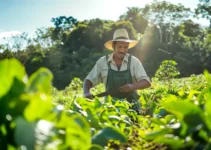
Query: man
[(121, 73)]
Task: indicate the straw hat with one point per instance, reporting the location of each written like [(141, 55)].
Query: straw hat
[(122, 36)]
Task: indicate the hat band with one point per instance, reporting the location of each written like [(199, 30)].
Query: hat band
[(121, 38)]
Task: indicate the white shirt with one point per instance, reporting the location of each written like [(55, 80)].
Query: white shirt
[(99, 72)]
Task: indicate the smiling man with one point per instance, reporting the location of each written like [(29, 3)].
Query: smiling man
[(121, 73)]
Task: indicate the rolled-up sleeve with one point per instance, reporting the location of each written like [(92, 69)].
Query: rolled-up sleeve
[(139, 71), (94, 74)]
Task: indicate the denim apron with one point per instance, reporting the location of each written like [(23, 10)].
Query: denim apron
[(117, 79)]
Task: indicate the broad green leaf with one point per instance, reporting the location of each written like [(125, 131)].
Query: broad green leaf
[(182, 108), (97, 103), (11, 103), (158, 121), (114, 119), (153, 106), (82, 123), (3, 130), (9, 69), (108, 133), (10, 147), (40, 81), (108, 99), (76, 106), (156, 134), (96, 147), (77, 131), (39, 106), (124, 105), (121, 109), (172, 141), (188, 113), (24, 133), (208, 111), (193, 120), (170, 118), (103, 115), (38, 93), (94, 122), (122, 125)]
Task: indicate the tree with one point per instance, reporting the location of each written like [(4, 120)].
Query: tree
[(16, 42), (64, 22), (63, 26), (90, 34), (165, 16), (157, 42), (204, 9), (44, 38), (191, 49), (134, 15)]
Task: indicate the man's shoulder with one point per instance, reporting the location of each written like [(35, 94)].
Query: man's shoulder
[(102, 59), (134, 58)]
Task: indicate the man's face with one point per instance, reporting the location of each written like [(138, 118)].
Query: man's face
[(120, 49)]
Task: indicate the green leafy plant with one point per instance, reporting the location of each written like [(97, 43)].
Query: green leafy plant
[(166, 71), (27, 111), (46, 118)]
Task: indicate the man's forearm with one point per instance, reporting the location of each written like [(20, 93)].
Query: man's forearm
[(141, 85), (87, 86)]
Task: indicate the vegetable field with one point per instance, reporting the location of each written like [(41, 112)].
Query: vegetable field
[(176, 114)]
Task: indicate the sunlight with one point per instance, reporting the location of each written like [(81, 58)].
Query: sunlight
[(113, 9), (146, 41), (9, 34)]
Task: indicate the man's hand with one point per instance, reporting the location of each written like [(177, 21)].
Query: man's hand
[(86, 87), (88, 95), (127, 88)]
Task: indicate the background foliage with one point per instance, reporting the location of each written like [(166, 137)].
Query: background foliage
[(70, 49)]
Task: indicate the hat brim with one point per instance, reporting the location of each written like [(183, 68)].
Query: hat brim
[(132, 43)]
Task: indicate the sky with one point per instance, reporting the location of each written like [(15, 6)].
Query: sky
[(18, 16)]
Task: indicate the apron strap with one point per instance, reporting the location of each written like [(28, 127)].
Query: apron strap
[(109, 66), (129, 61)]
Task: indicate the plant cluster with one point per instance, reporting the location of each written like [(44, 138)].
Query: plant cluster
[(35, 115)]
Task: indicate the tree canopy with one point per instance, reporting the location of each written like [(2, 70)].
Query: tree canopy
[(70, 49)]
